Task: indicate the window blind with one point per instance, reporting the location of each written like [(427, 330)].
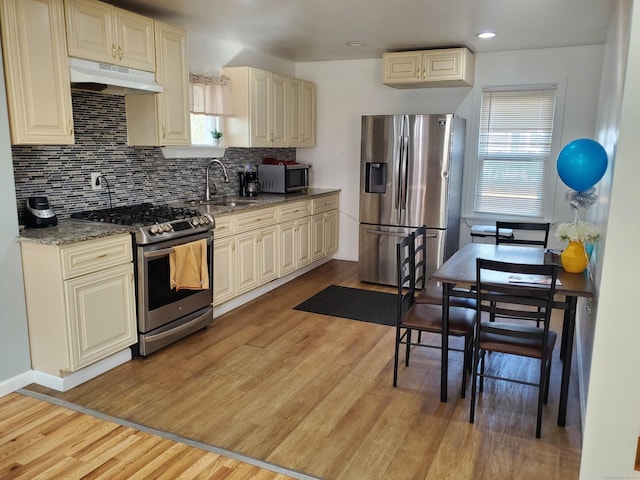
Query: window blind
[(514, 150)]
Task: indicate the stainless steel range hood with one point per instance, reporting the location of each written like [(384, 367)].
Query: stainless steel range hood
[(111, 79)]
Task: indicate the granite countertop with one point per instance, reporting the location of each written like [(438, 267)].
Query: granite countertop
[(70, 231)]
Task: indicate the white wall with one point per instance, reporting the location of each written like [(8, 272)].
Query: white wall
[(612, 424), (349, 89), (15, 362)]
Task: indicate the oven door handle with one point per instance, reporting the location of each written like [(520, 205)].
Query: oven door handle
[(166, 251)]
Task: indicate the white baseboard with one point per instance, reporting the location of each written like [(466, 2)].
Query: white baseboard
[(62, 384), (267, 287), (15, 383)]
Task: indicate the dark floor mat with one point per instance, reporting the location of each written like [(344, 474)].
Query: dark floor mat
[(353, 303)]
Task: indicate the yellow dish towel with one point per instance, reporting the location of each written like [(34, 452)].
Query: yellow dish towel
[(188, 266)]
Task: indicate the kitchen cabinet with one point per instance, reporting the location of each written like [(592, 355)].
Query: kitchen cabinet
[(80, 302), (263, 109), (324, 227), (98, 31), (308, 114), (224, 248), (450, 67), (36, 72), (256, 248), (162, 119), (295, 236)]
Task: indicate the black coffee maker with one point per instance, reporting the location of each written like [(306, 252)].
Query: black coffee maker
[(37, 213), (248, 183)]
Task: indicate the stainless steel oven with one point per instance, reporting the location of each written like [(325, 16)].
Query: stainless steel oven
[(164, 313)]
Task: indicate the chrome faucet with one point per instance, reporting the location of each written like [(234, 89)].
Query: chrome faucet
[(207, 191)]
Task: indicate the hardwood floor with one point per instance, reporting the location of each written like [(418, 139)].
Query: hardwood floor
[(43, 440), (314, 394)]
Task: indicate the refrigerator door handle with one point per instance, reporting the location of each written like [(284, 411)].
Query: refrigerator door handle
[(384, 232)]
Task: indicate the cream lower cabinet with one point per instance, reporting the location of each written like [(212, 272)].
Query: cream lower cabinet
[(224, 254), (36, 72), (254, 247), (80, 302), (295, 236), (324, 227)]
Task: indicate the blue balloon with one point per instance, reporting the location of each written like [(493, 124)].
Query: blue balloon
[(582, 163)]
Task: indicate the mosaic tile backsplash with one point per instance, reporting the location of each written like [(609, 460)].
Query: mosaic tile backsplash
[(134, 174)]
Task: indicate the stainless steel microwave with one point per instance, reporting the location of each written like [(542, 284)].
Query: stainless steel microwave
[(283, 178)]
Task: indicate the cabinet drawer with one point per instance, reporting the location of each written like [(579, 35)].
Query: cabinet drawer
[(95, 255), (224, 226), (255, 219), (324, 204), (294, 210)]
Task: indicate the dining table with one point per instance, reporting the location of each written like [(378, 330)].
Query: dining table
[(459, 271)]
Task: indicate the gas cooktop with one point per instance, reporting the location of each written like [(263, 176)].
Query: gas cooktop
[(153, 223)]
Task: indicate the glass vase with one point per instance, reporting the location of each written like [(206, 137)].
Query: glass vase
[(574, 257)]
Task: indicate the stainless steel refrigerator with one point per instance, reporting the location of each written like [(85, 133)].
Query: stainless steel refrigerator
[(410, 175)]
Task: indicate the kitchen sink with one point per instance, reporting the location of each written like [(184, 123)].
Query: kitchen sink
[(224, 202)]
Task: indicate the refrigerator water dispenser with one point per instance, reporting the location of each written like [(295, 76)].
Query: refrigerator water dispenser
[(375, 178)]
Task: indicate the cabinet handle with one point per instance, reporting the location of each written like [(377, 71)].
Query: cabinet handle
[(113, 50), (70, 127), (119, 53), (102, 255), (164, 132)]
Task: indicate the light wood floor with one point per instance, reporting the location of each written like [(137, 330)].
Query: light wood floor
[(313, 394), (46, 441)]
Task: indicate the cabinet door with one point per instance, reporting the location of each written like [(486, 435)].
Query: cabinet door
[(246, 262), (267, 255), (402, 67), (318, 248), (224, 270), (90, 31), (287, 247), (260, 104), (308, 115), (279, 110), (36, 72), (303, 242), (101, 315), (173, 74), (295, 112), (135, 40), (331, 232)]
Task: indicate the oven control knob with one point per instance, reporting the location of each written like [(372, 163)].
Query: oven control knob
[(205, 221), (155, 229), (166, 227), (195, 221)]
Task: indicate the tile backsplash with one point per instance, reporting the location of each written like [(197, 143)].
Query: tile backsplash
[(134, 174)]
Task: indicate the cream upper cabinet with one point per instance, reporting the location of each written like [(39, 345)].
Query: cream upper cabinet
[(80, 302), (267, 109), (450, 67), (308, 114), (101, 32), (36, 72), (163, 118)]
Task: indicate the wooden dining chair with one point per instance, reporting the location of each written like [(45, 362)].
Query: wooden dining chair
[(535, 234), (430, 292), (425, 317), (500, 292)]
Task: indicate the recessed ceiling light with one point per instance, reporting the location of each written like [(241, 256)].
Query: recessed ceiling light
[(486, 35), (356, 43)]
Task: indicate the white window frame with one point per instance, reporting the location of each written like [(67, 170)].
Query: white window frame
[(202, 137), (472, 162)]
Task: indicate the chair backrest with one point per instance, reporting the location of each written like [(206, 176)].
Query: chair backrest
[(527, 227), (510, 290), (405, 261), (420, 256)]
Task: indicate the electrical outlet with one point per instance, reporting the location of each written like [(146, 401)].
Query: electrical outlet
[(96, 184)]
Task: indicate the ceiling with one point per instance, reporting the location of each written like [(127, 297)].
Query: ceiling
[(317, 30)]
